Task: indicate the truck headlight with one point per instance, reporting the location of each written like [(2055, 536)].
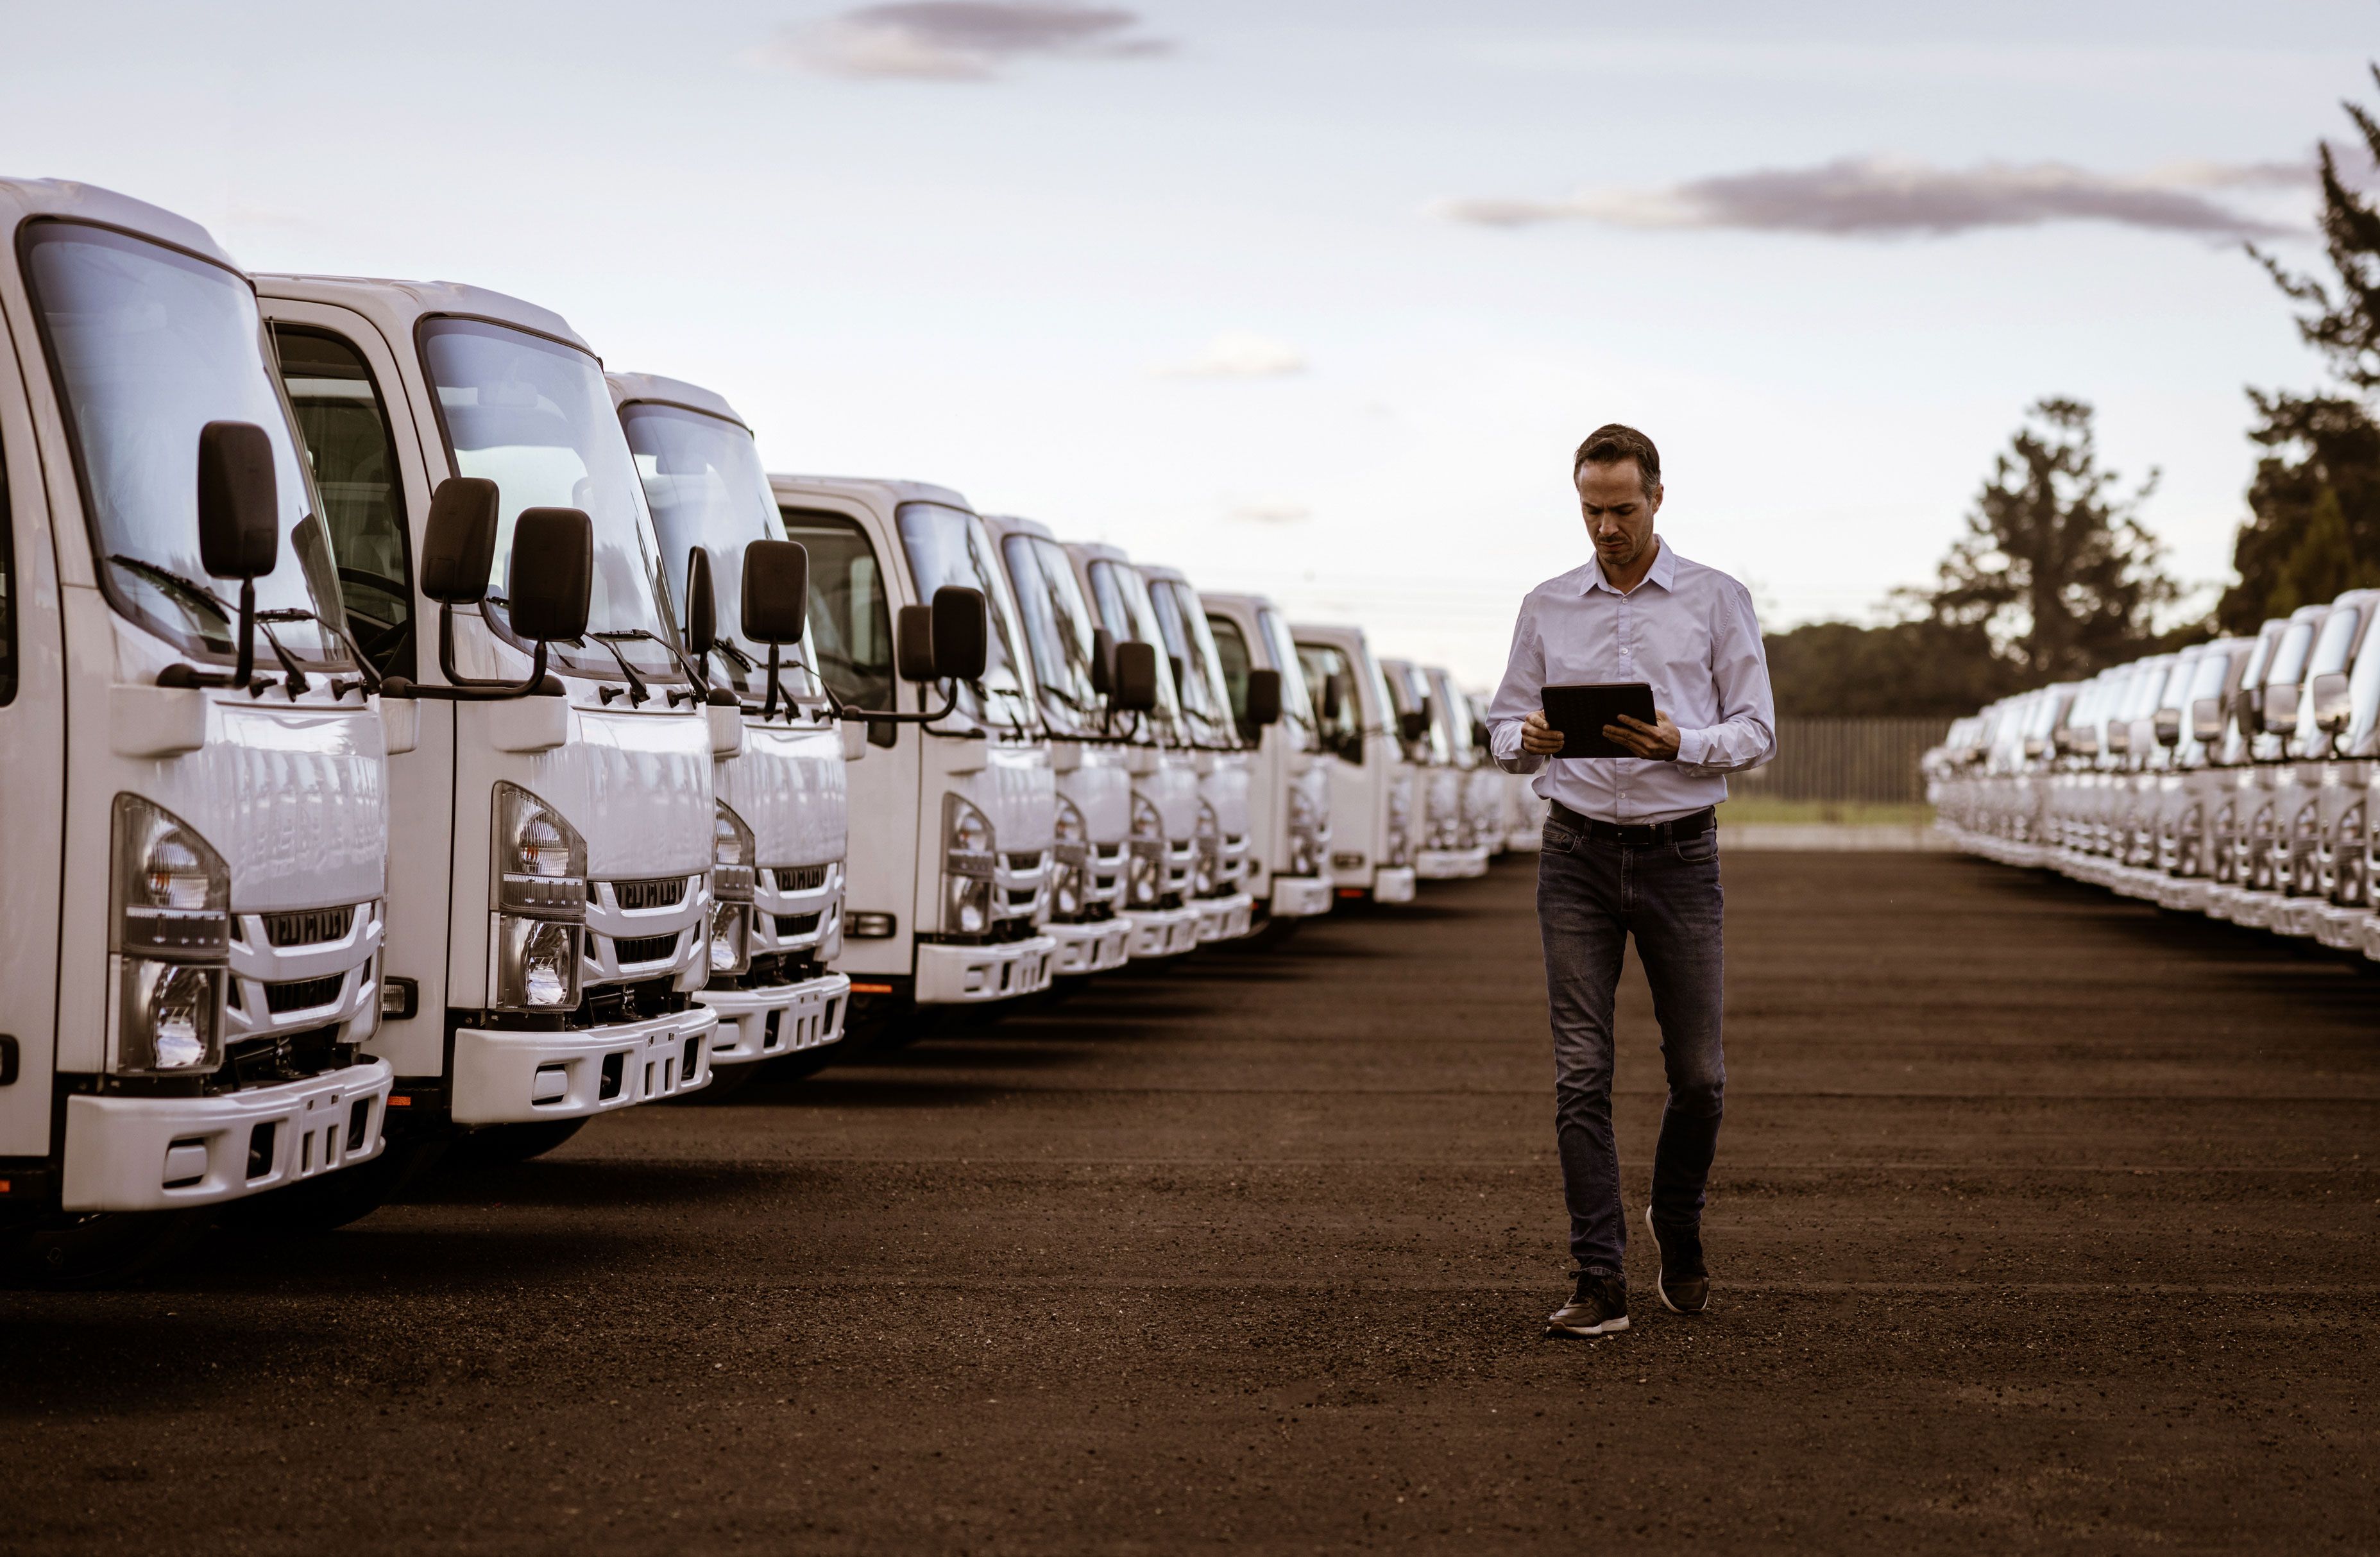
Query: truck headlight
[(1141, 880), (1206, 864), (539, 864), (731, 937), (734, 855), (171, 932), (968, 852)]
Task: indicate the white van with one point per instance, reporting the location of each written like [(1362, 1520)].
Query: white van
[(1073, 669), (954, 819), (1226, 762), (194, 773), (1289, 843), (1167, 808), (776, 921), (554, 828), (1371, 783)]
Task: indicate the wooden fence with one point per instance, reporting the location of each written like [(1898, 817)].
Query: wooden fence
[(1849, 761)]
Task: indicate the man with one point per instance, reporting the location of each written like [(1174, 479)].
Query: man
[(1631, 847)]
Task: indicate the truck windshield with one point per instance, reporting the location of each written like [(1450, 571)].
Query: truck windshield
[(535, 416), (703, 481), (1058, 627), (2289, 659), (2363, 698), (1187, 639), (850, 622), (1342, 735), (1296, 700), (1454, 719), (148, 345), (1125, 605), (950, 546)]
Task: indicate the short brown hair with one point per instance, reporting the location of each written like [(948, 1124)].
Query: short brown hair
[(1613, 441)]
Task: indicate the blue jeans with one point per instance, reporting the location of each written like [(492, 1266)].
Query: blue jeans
[(1591, 897)]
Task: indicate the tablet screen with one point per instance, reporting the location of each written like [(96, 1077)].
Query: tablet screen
[(1581, 711)]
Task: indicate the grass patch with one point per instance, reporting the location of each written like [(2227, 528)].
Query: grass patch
[(1853, 814)]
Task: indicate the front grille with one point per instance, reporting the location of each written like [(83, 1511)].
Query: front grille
[(1021, 897), (304, 994), (659, 892), (633, 949), (1026, 861), (310, 927), (791, 925), (801, 878)]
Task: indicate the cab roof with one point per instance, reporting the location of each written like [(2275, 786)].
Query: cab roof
[(406, 301), (88, 202), (875, 486), (653, 389)]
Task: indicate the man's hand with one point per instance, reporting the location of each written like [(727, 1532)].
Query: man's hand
[(1657, 740), (1539, 738)]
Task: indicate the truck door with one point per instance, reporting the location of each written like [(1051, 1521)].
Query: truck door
[(32, 779)]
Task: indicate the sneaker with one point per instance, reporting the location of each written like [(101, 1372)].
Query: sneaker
[(1598, 1306), (1682, 1283)]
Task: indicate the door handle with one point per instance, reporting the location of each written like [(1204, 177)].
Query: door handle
[(8, 1060)]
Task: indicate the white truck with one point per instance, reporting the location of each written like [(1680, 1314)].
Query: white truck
[(1289, 813), (1371, 783), (954, 822), (554, 825), (1073, 669), (194, 770), (2311, 787), (779, 753), (1226, 764), (1483, 787), (1447, 848), (1166, 804)]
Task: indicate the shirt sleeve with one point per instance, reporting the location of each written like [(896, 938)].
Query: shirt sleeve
[(1519, 695), (1745, 736)]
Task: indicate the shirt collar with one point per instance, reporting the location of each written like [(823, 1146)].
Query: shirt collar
[(1663, 572)]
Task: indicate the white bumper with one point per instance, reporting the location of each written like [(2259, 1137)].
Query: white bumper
[(146, 1154), (1162, 932), (1091, 948), (2341, 927), (2223, 901), (1450, 865), (778, 1019), (505, 1077), (1224, 919), (1297, 897), (1392, 884), (972, 975), (2296, 915)]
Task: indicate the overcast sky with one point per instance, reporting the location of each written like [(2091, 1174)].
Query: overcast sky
[(1310, 298)]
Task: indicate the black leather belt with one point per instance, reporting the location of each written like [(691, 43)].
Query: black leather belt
[(1693, 826)]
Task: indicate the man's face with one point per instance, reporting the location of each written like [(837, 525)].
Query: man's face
[(1619, 515)]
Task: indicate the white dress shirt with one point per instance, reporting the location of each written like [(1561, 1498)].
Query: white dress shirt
[(1686, 629)]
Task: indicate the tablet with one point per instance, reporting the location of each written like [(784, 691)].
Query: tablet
[(1580, 713)]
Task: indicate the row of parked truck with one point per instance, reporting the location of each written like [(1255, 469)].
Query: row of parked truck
[(471, 742), (2233, 778)]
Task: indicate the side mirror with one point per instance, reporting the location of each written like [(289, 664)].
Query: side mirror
[(1264, 698), (1413, 724), (2168, 726), (2330, 705), (962, 632), (2207, 721), (459, 540), (701, 608), (239, 517), (1136, 677), (1334, 698), (2032, 746), (1480, 736), (553, 573), (1103, 655), (2280, 709), (776, 591), (240, 502), (913, 643), (1175, 662), (2248, 711)]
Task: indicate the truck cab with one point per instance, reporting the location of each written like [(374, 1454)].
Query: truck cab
[(193, 763), (2311, 786), (554, 834), (954, 819), (1466, 734), (1372, 801), (1168, 809), (2190, 725), (2270, 789), (1092, 875), (778, 752), (1289, 842), (1225, 763)]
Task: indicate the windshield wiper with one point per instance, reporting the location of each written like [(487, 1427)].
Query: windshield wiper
[(637, 691), (188, 588), (367, 674)]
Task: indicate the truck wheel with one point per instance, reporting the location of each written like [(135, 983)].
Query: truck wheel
[(323, 1205), (98, 1248), (494, 1144)]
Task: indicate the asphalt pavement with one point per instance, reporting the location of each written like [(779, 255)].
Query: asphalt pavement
[(2040, 1221)]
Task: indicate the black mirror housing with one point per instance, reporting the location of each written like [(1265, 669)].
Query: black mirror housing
[(1334, 697), (459, 540), (1264, 698), (913, 643), (1103, 650), (552, 581), (2206, 720), (239, 501), (1479, 737), (776, 591), (1413, 724), (1136, 677), (2331, 709), (962, 632), (702, 606)]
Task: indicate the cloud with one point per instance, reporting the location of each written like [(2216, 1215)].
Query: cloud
[(957, 40), (1272, 511), (1240, 354), (1868, 196)]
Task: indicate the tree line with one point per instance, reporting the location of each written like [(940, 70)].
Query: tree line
[(2054, 576)]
